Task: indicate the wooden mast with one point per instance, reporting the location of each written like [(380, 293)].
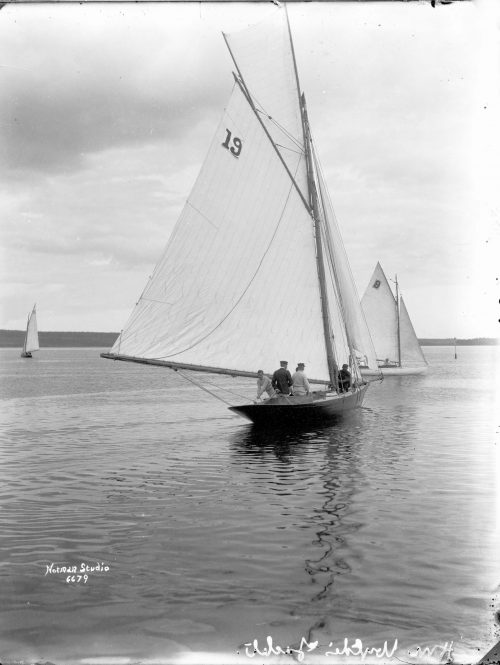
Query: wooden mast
[(313, 197), (313, 203)]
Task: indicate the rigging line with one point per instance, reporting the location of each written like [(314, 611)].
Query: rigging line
[(333, 270), (262, 109), (200, 213), (334, 273), (283, 130), (199, 385), (277, 124), (227, 390), (192, 346), (296, 152), (334, 216), (160, 302), (243, 87), (344, 332)]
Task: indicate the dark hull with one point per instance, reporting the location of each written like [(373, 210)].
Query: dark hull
[(284, 410), (26, 354)]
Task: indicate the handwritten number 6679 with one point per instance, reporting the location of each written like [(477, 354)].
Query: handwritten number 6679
[(236, 146), (77, 578)]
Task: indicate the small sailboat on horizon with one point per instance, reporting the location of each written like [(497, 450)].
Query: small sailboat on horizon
[(396, 344), (31, 337), (255, 269)]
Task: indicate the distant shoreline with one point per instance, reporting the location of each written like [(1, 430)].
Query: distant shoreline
[(54, 339), (450, 341)]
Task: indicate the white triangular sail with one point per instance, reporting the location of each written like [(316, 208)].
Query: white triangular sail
[(355, 335), (411, 353), (31, 337), (237, 286), (380, 310)]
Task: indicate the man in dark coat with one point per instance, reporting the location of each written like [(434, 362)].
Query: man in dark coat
[(344, 379), (282, 379)]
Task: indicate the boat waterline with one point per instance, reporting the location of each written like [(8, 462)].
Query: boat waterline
[(294, 410)]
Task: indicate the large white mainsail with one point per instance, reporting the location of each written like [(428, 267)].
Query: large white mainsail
[(237, 286), (249, 275), (31, 338)]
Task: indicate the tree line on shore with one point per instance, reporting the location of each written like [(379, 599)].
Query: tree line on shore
[(54, 339)]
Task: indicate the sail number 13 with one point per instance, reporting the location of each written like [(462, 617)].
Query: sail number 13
[(232, 143)]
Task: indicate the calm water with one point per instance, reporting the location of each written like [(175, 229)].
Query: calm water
[(380, 528)]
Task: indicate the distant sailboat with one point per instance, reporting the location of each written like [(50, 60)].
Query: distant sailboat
[(396, 344), (255, 269), (31, 337)]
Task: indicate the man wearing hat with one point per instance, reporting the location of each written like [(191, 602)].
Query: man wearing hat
[(344, 379), (282, 379), (300, 384)]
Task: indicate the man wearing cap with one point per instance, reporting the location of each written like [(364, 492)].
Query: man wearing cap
[(282, 379), (300, 384), (344, 379)]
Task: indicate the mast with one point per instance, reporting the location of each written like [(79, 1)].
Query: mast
[(398, 322), (313, 203), (313, 198)]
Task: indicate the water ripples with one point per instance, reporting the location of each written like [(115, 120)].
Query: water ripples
[(216, 533)]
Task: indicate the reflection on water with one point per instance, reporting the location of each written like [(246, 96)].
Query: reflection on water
[(217, 533), (335, 472)]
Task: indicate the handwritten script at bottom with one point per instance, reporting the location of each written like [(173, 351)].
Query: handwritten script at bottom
[(252, 649), (355, 648)]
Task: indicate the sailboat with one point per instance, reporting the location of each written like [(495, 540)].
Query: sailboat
[(393, 335), (31, 337), (255, 268)]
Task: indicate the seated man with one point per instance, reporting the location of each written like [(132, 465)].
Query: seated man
[(344, 379), (300, 384)]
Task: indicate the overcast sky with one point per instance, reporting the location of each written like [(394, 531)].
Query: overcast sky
[(107, 112)]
